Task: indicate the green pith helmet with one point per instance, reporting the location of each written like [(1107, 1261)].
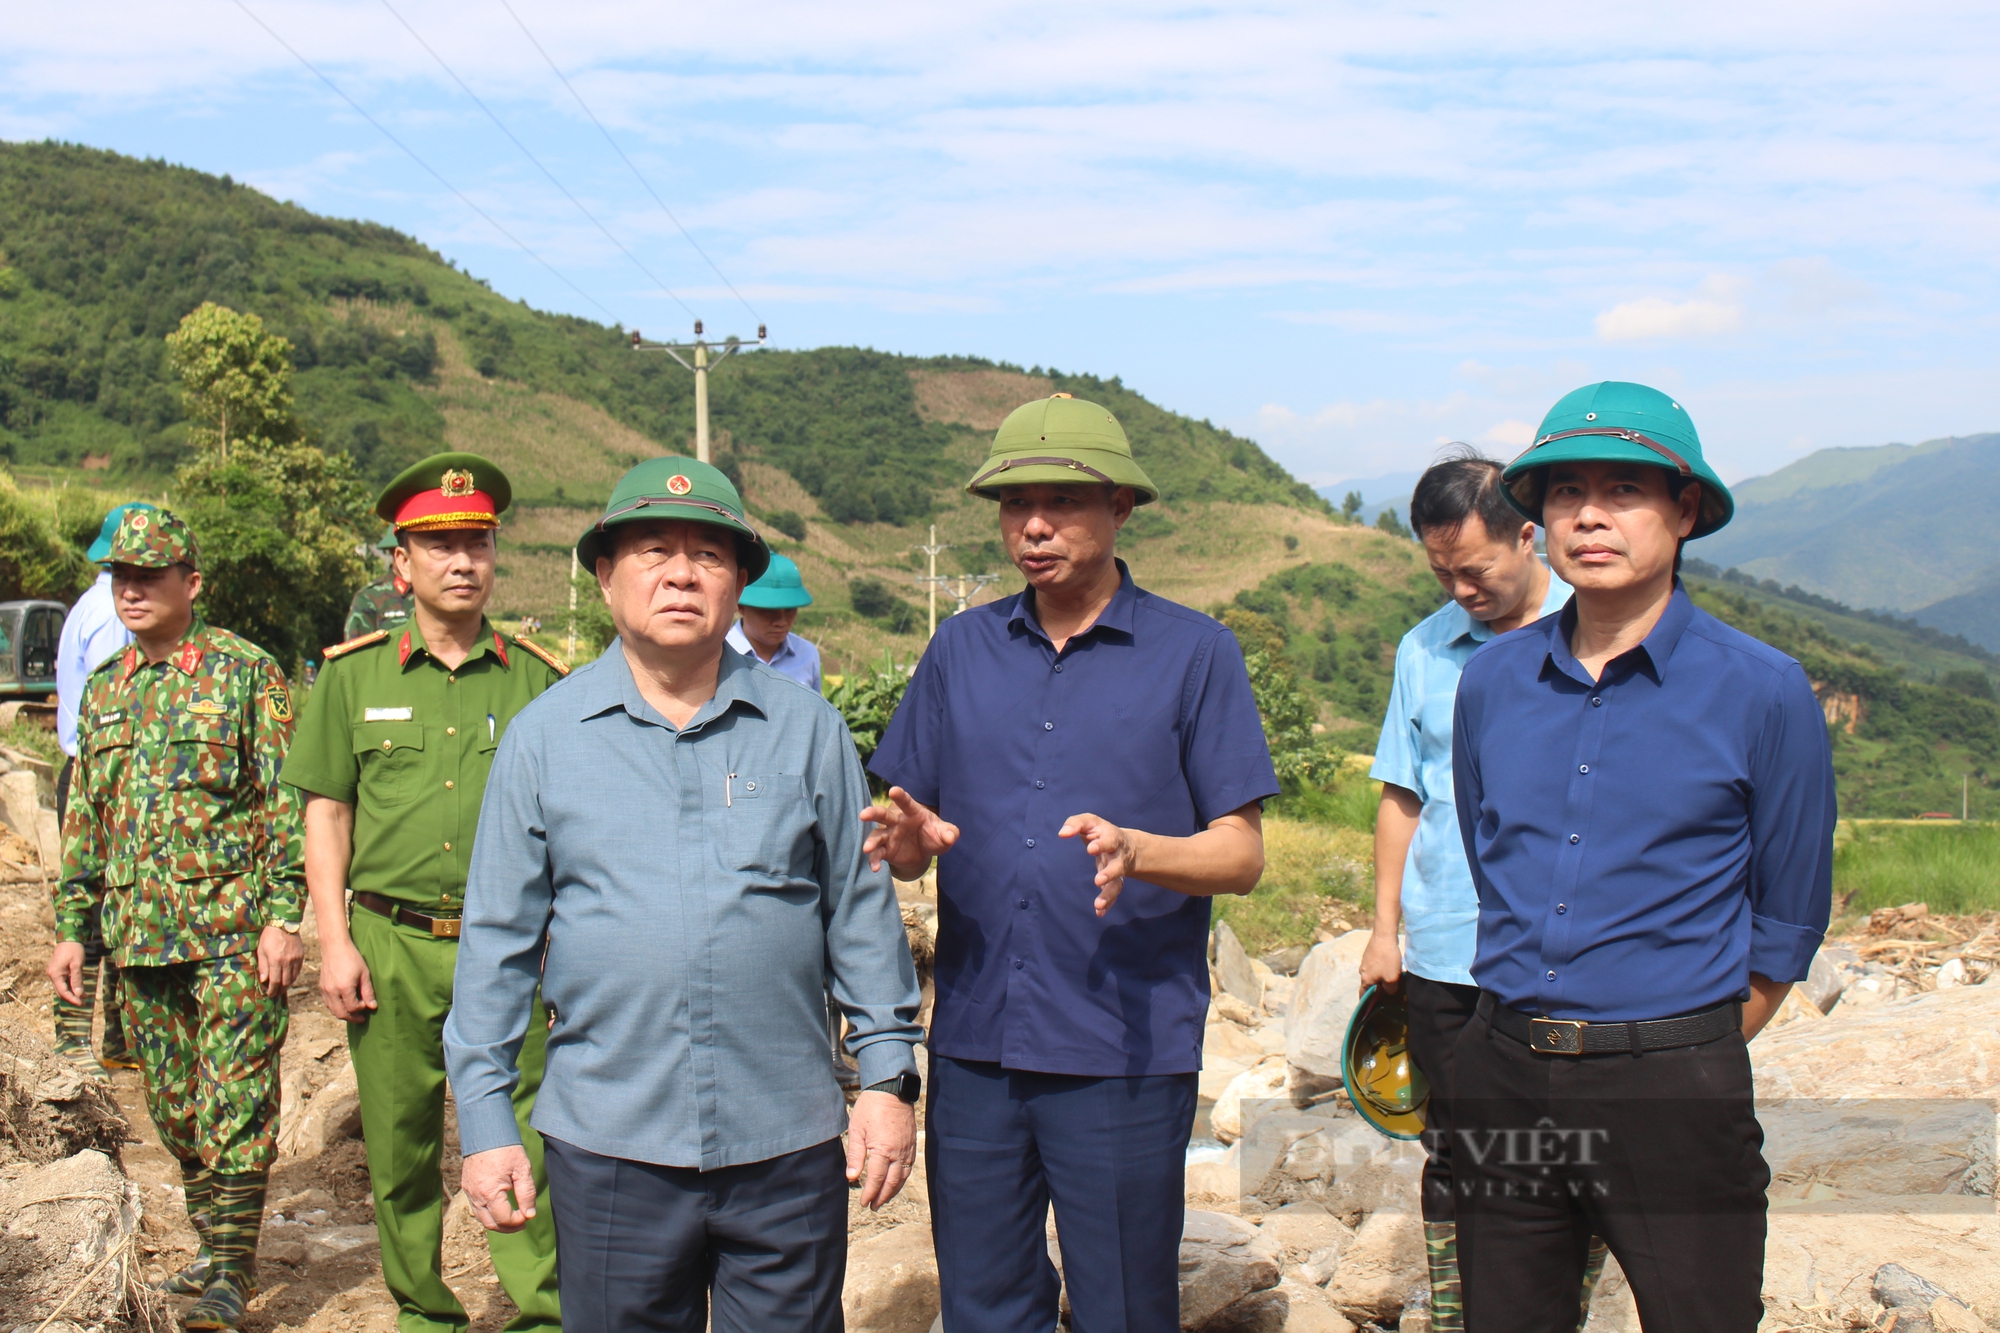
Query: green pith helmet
[(387, 541), (1382, 1082), (779, 589), (1062, 440), (676, 488), (1618, 422), (445, 492), (150, 538)]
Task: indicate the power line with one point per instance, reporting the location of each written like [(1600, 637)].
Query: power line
[(490, 220), (557, 71), (527, 153)]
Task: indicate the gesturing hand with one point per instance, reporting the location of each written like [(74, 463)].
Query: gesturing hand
[(487, 1176), (907, 835), (1112, 846)]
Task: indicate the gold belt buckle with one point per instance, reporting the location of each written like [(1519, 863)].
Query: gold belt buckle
[(444, 928), (1558, 1036)]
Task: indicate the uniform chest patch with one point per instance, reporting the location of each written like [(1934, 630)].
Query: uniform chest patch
[(385, 714), (106, 719), (208, 708)]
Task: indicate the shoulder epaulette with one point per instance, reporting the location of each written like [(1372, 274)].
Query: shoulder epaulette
[(361, 641), (560, 667)]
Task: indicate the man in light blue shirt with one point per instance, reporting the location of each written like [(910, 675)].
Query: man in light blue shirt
[(1484, 556), (769, 608), (91, 633)]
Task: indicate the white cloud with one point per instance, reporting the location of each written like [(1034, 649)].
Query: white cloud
[(1717, 310), (1513, 433)]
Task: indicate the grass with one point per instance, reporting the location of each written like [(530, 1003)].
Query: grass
[(1954, 868), (33, 738), (1312, 871)]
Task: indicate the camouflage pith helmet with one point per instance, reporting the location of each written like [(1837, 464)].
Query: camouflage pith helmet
[(1382, 1082), (1065, 441), (1617, 422), (152, 539), (675, 488)]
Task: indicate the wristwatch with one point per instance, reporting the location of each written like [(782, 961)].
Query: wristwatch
[(903, 1087), (289, 927)]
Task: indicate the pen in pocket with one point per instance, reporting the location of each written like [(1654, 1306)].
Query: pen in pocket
[(489, 726)]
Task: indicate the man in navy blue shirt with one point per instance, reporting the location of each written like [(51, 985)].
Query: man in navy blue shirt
[(1646, 796), (1087, 761)]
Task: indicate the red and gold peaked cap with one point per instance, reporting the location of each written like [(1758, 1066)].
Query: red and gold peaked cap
[(446, 491)]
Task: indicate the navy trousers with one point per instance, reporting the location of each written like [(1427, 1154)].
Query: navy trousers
[(1111, 1153), (639, 1247)]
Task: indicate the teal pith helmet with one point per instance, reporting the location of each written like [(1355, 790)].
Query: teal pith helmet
[(780, 589), (1383, 1083), (1614, 421), (1065, 441), (675, 488), (100, 550)]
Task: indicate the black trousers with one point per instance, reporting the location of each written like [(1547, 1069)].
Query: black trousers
[(1660, 1154), (639, 1247), (1439, 1011)]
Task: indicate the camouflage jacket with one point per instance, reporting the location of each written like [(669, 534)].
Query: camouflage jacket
[(177, 822), (384, 604)]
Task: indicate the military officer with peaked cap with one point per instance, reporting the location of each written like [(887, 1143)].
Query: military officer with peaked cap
[(393, 751), (1646, 797)]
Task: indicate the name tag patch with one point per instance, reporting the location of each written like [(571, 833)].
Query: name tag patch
[(385, 714), (106, 719), (208, 708)]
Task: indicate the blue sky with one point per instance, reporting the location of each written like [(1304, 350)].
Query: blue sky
[(1349, 231)]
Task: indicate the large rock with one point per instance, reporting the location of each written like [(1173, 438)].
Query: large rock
[(1822, 1263), (1223, 1259), (1322, 1001), (1383, 1270), (1310, 1311), (1828, 977), (1234, 969), (1330, 1159), (1890, 1100), (1225, 1040), (892, 1282), (1254, 1092), (1266, 1311), (67, 1225), (333, 1114)]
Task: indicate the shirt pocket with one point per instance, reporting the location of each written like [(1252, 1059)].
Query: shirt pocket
[(209, 853), (770, 825), (391, 755), (202, 753)]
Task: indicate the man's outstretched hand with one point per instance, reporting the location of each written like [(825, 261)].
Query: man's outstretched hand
[(907, 835), (1111, 846), (488, 1176)]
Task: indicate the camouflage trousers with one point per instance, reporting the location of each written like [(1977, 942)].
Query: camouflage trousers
[(208, 1039)]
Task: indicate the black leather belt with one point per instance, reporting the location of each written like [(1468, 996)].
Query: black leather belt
[(443, 927), (1564, 1036)]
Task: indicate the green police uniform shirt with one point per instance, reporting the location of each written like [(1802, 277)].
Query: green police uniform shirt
[(408, 742), (177, 821)]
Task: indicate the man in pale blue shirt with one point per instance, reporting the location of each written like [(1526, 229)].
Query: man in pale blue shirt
[(91, 632), (1483, 554), (769, 608)]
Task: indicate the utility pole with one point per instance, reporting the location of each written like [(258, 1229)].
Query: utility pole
[(571, 651), (931, 549), (699, 349)]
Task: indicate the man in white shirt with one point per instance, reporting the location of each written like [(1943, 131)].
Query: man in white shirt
[(90, 633), (769, 608)]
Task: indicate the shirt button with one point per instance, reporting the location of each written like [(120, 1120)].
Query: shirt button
[(1561, 908), (1551, 976), (1596, 702), (1574, 839), (1024, 904), (447, 846), (1018, 965), (1048, 726), (451, 680), (449, 784), (388, 745), (451, 731), (1031, 842), (1038, 784), (1059, 666), (1583, 768)]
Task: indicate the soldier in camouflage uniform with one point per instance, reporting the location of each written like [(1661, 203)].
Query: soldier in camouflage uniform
[(383, 604), (179, 832)]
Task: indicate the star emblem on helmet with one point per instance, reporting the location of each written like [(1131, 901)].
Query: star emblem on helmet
[(679, 485), (456, 483)]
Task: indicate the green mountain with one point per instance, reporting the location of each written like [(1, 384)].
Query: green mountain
[(1909, 528)]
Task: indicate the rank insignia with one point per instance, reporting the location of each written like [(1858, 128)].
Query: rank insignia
[(278, 702), (679, 485), (208, 708), (456, 484)]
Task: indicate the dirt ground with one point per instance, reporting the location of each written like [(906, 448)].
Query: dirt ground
[(309, 1283)]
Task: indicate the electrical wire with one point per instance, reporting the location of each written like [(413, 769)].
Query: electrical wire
[(557, 71), (462, 198), (527, 153)]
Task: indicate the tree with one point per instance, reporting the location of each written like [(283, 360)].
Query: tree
[(236, 379), (1389, 523), (1350, 508), (281, 524)]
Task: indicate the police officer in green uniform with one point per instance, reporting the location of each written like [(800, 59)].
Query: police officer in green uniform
[(392, 752), (385, 603)]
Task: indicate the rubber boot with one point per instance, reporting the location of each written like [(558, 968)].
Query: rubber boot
[(1441, 1253), (1593, 1270), (116, 1053), (236, 1215), (193, 1280)]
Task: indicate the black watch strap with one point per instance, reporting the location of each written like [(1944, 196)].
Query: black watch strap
[(904, 1087)]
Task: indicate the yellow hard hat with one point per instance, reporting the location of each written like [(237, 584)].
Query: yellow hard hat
[(1383, 1083)]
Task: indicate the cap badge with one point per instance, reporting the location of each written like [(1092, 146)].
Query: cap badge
[(137, 522), (456, 483), (679, 485)]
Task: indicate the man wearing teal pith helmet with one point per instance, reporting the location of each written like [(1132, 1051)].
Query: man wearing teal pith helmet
[(768, 609)]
